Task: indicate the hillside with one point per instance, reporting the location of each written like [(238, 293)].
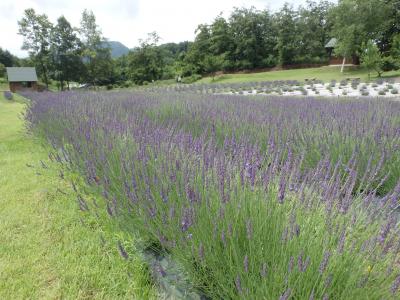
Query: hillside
[(117, 48)]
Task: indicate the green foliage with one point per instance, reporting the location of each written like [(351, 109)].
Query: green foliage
[(287, 35), (146, 62), (313, 30), (97, 58), (253, 33), (2, 70), (36, 31), (356, 21), (371, 58), (390, 64), (395, 49), (213, 63), (65, 52), (7, 59)]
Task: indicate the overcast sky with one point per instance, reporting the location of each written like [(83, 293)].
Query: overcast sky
[(126, 21)]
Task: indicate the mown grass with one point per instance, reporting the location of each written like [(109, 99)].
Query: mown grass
[(322, 73), (49, 249)]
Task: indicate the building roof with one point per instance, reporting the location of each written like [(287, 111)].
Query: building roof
[(332, 43), (15, 74)]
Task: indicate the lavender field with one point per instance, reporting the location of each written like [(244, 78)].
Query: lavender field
[(256, 197)]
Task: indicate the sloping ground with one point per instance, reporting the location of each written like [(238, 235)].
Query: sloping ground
[(326, 73), (46, 250)]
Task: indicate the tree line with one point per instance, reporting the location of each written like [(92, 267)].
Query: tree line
[(247, 39)]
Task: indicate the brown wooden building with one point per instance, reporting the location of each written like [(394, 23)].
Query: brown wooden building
[(21, 79), (338, 60)]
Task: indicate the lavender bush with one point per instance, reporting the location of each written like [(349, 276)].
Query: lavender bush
[(8, 95), (256, 198)]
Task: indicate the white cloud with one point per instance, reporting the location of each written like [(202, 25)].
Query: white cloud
[(126, 20)]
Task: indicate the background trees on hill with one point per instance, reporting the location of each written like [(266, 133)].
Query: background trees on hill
[(357, 21), (246, 39), (58, 53), (96, 56), (7, 59), (36, 31), (146, 62), (66, 50)]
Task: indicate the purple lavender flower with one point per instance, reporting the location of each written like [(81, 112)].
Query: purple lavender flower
[(201, 251), (263, 272), (238, 284), (328, 280), (122, 251), (342, 240), (249, 229), (8, 95), (385, 229), (282, 189), (160, 270), (187, 219), (223, 238), (324, 262), (230, 229), (395, 285), (291, 264), (300, 261), (286, 294), (246, 263)]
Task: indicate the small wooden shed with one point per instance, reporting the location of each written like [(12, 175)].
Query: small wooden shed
[(335, 59), (22, 78)]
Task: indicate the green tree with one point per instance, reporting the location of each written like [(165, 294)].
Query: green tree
[(313, 29), (254, 36), (198, 51), (36, 30), (355, 21), (96, 56), (221, 43), (7, 59), (287, 43), (146, 62), (212, 64), (65, 53), (371, 58), (393, 25), (395, 49), (2, 70)]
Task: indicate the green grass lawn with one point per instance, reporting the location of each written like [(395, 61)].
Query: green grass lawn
[(47, 251), (323, 73)]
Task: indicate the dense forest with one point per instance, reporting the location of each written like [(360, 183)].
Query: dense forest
[(247, 39)]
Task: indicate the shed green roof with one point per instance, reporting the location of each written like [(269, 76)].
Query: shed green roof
[(332, 43), (17, 74)]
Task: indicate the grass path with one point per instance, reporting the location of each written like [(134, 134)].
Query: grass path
[(46, 251)]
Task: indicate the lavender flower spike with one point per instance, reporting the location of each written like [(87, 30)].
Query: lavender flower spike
[(286, 294), (324, 263)]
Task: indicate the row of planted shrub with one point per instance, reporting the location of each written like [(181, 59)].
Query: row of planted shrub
[(241, 192)]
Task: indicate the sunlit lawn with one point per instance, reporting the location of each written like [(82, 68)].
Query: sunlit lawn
[(323, 73)]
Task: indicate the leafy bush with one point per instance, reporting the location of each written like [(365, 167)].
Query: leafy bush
[(390, 64), (382, 92), (364, 92)]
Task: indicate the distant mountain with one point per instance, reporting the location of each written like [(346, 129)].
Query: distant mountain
[(117, 48)]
